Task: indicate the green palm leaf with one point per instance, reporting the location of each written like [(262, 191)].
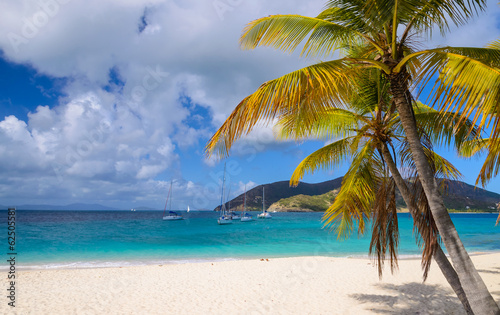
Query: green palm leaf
[(468, 81), (491, 165), (309, 90), (445, 128), (355, 199), (333, 123), (328, 157), (286, 32)]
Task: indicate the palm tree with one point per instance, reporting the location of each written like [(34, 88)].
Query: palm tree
[(366, 188), (375, 23)]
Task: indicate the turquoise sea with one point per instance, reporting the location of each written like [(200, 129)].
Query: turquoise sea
[(78, 239)]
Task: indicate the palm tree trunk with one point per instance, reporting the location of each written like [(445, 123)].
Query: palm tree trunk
[(452, 277), (442, 261), (479, 297)]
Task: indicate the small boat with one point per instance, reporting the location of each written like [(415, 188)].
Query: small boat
[(234, 215), (224, 217), (264, 214), (171, 214), (187, 209), (245, 216)]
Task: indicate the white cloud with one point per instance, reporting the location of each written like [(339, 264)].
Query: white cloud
[(261, 138), (211, 161), (87, 140), (242, 186), (111, 140)]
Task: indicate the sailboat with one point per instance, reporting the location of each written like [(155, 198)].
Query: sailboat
[(224, 217), (171, 214), (245, 217), (264, 214), (187, 209), (232, 214)]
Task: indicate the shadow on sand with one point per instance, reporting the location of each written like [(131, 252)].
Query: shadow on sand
[(412, 298), (489, 271)]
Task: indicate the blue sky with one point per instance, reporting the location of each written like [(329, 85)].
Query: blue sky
[(107, 102)]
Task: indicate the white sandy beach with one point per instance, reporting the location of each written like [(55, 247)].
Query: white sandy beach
[(303, 285)]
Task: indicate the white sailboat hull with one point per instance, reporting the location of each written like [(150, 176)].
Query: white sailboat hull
[(246, 219), (224, 220), (172, 217), (264, 215)]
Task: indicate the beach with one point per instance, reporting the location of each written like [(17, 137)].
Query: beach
[(298, 285)]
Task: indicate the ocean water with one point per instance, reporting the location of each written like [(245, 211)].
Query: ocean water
[(68, 239)]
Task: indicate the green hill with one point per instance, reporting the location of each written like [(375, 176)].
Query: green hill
[(279, 190), (279, 196), (305, 202)]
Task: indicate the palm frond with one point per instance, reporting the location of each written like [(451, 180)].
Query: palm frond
[(372, 93), (356, 196), (427, 15), (442, 168), (475, 146), (328, 157), (348, 16), (309, 90), (467, 81), (286, 32), (424, 227), (494, 45), (367, 11), (491, 165), (333, 123), (445, 128), (385, 231)]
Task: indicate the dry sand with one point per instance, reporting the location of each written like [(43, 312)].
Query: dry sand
[(302, 285)]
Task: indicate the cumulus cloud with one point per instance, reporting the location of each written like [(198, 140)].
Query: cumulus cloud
[(242, 186), (144, 81), (85, 140), (127, 65)]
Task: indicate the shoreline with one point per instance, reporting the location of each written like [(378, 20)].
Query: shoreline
[(72, 265), (297, 285)]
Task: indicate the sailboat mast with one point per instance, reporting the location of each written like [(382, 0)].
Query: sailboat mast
[(168, 197), (244, 201), (263, 200), (228, 199), (222, 193)]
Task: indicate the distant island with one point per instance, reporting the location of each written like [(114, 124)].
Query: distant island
[(73, 206), (280, 197)]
